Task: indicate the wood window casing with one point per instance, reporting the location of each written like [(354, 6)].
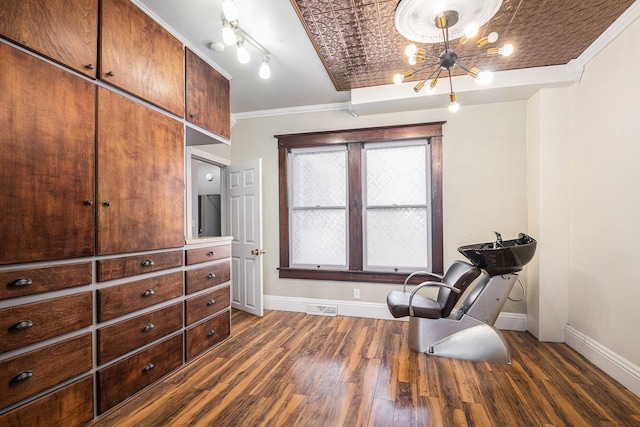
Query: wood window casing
[(354, 139)]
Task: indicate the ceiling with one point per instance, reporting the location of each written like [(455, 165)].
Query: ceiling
[(324, 51)]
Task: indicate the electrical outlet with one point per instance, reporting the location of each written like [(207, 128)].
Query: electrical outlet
[(356, 294)]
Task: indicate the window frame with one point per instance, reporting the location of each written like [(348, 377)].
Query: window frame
[(354, 140)]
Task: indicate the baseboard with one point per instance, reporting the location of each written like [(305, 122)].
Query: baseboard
[(620, 369), (372, 310)]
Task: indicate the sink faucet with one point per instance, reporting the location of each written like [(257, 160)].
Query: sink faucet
[(498, 243)]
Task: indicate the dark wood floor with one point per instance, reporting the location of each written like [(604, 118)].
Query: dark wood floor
[(292, 369)]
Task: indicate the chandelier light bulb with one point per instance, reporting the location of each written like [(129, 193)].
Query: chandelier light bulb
[(243, 53), (229, 10), (471, 30), (454, 107), (398, 78), (506, 50), (492, 37), (413, 60), (431, 87), (484, 78), (228, 35), (411, 50), (265, 70)]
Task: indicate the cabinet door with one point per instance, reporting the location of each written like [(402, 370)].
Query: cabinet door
[(139, 56), (47, 153), (65, 31), (140, 177), (207, 96)]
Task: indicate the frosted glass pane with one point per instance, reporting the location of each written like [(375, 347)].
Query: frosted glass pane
[(397, 237), (319, 237), (319, 179), (396, 175)]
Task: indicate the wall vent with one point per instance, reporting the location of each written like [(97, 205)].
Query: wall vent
[(322, 310)]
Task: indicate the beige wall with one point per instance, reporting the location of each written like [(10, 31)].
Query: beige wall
[(604, 283), (484, 182)]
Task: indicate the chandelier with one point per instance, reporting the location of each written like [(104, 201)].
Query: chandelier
[(433, 21)]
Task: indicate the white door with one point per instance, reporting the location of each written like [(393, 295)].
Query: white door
[(245, 216)]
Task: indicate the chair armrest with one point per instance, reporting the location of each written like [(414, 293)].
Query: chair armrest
[(428, 284), (404, 286)]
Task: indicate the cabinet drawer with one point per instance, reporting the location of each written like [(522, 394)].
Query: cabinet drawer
[(122, 299), (207, 334), (197, 308), (210, 253), (116, 268), (130, 375), (30, 373), (206, 277), (69, 406), (123, 337), (28, 281), (29, 323)]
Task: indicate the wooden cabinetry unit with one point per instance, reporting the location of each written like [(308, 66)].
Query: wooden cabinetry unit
[(140, 177), (35, 280), (47, 152), (64, 31), (116, 268), (207, 93), (139, 56)]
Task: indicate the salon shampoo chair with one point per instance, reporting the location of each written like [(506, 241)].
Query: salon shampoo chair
[(467, 332)]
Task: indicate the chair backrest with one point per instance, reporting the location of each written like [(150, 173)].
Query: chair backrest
[(460, 275)]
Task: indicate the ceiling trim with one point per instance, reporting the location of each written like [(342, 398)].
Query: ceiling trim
[(340, 106)]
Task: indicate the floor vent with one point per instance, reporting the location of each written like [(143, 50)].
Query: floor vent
[(322, 310)]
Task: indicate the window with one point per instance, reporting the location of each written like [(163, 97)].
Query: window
[(361, 205)]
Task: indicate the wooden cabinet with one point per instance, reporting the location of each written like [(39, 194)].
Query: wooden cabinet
[(64, 31), (119, 300), (29, 281), (29, 323), (206, 304), (140, 177), (207, 253), (205, 335), (30, 373), (130, 375), (47, 153), (207, 93), (207, 277), (139, 56), (69, 406)]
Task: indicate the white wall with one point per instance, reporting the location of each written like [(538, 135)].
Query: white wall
[(604, 283), (484, 182)]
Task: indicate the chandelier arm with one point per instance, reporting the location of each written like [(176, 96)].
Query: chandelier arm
[(425, 67), (450, 81), (463, 67), (445, 36), (473, 55)]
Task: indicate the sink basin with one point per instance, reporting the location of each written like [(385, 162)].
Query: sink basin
[(495, 260)]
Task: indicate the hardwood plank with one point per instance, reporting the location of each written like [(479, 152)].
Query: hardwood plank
[(293, 369)]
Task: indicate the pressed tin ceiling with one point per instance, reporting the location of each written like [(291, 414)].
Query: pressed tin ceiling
[(359, 45)]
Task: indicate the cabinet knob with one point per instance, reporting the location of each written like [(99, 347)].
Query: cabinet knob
[(107, 203), (20, 282), (211, 333), (89, 66), (148, 263), (148, 293), (211, 253), (148, 367), (88, 202), (211, 275), (22, 376), (110, 73), (149, 326), (211, 302), (193, 116), (21, 325)]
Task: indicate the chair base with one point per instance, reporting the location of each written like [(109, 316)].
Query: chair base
[(462, 335)]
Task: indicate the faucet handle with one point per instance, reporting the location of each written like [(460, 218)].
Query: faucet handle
[(498, 239)]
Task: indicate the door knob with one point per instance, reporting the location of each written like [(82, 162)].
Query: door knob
[(258, 252)]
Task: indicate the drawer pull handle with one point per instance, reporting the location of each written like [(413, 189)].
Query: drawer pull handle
[(211, 275), (148, 263), (20, 282), (148, 293), (211, 333), (211, 253), (148, 367), (110, 73), (211, 302), (21, 325), (149, 326), (22, 376)]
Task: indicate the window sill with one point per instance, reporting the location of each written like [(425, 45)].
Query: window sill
[(352, 276)]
